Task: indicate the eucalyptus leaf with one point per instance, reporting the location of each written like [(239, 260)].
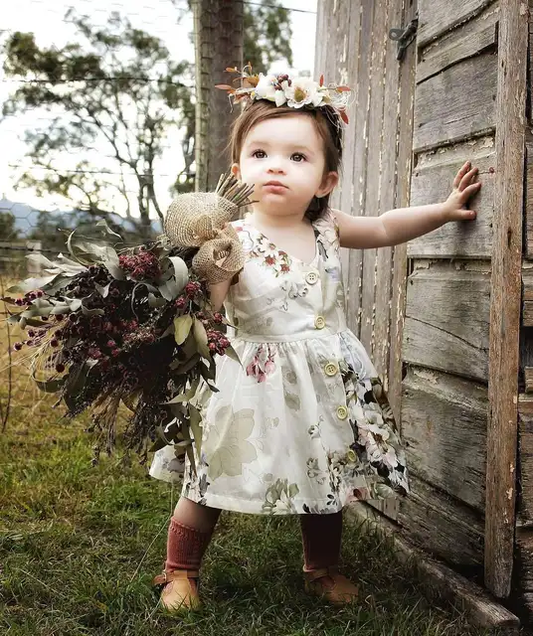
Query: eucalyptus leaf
[(60, 308), (154, 302), (188, 395), (103, 223), (114, 270), (181, 272), (169, 290), (50, 386), (231, 353), (200, 335), (103, 290), (39, 260), (75, 304), (30, 284), (92, 312), (182, 326), (195, 420)]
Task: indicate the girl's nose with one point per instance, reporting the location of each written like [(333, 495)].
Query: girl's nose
[(276, 168)]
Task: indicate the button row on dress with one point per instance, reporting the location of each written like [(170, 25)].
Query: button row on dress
[(342, 412), (330, 369), (311, 277)]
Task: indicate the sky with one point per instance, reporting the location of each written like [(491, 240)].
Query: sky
[(157, 17)]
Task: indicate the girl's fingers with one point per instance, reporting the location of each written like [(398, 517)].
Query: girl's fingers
[(469, 191), (461, 174), (468, 178)]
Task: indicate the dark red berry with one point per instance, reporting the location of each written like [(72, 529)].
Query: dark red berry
[(59, 316), (60, 368), (54, 342), (218, 318), (17, 346)]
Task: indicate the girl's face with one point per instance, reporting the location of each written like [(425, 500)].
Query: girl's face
[(284, 159)]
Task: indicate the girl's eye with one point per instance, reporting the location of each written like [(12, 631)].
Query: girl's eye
[(298, 157), (259, 154)]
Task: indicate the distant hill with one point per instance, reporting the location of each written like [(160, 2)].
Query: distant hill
[(26, 217)]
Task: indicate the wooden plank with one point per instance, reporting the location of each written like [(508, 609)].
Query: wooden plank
[(528, 379), (442, 525), (442, 113), (439, 16), (525, 474), (432, 182), (387, 196), (447, 321), (505, 297), (529, 196), (387, 191), (404, 163), (348, 76), (439, 581), (472, 38), (360, 150), (524, 558), (375, 133), (444, 422)]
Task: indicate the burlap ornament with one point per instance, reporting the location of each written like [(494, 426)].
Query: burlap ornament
[(201, 219)]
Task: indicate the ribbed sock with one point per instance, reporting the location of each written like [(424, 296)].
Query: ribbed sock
[(321, 538), (185, 546)]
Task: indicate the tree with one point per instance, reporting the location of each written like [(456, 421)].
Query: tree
[(8, 228), (113, 97), (218, 36)]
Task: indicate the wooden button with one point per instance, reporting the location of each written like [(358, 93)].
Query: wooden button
[(320, 323), (342, 412), (330, 369), (351, 455)]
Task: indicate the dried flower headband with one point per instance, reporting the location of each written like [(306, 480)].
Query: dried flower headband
[(297, 92)]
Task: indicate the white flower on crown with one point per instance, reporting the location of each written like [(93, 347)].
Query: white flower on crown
[(303, 91), (268, 88)]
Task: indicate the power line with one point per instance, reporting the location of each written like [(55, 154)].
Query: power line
[(96, 79), (119, 174), (273, 6)]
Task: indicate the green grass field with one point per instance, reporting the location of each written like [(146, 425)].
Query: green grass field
[(80, 544)]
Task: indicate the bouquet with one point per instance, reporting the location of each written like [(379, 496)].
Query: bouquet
[(134, 325)]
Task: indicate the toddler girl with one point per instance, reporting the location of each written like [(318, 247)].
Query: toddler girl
[(301, 425)]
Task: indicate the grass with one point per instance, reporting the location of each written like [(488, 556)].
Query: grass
[(80, 544)]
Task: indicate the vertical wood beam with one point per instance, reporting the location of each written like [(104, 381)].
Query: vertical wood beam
[(505, 297)]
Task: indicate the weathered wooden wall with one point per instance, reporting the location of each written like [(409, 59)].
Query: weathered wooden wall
[(441, 318), (353, 48), (446, 336)]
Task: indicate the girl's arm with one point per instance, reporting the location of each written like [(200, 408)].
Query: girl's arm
[(404, 224), (218, 294)]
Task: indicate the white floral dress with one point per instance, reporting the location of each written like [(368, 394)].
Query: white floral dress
[(302, 425)]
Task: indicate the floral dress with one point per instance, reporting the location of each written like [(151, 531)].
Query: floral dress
[(302, 424)]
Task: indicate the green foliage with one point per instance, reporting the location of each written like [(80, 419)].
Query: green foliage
[(267, 34), (116, 92), (8, 230), (79, 546)]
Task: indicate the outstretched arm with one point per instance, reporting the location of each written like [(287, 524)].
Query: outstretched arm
[(403, 224)]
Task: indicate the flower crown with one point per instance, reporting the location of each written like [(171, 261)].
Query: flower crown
[(297, 92)]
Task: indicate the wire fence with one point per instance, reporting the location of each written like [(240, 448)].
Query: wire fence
[(109, 156)]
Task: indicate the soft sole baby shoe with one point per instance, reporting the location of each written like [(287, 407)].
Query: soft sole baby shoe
[(179, 590), (333, 587)]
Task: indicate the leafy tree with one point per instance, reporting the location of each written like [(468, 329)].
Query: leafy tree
[(114, 96), (8, 229)]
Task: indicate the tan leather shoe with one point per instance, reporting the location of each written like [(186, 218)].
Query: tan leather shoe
[(331, 586), (179, 592)]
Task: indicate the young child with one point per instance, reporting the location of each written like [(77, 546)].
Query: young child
[(302, 425)]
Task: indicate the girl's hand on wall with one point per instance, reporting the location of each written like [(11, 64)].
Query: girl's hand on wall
[(465, 187)]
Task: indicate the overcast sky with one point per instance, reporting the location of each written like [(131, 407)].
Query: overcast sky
[(157, 17)]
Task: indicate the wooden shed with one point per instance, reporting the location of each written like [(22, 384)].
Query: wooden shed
[(448, 319)]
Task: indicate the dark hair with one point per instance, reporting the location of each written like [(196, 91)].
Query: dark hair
[(328, 126)]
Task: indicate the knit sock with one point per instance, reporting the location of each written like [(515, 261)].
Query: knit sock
[(321, 538), (185, 546)]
